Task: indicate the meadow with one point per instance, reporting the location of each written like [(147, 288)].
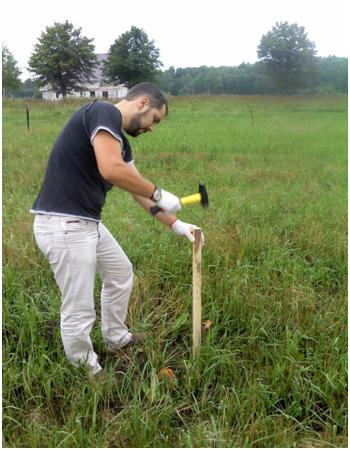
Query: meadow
[(272, 371)]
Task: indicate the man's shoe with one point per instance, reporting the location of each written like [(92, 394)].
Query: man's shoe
[(136, 339)]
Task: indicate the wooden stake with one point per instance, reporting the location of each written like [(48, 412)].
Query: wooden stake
[(196, 285)]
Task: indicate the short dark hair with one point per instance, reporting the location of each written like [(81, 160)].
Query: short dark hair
[(157, 98)]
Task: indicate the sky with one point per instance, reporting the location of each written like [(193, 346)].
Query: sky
[(188, 33)]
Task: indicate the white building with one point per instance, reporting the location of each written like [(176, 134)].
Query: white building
[(96, 87)]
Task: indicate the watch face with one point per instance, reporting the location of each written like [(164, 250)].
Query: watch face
[(157, 195)]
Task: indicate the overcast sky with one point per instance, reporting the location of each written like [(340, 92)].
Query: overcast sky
[(188, 33)]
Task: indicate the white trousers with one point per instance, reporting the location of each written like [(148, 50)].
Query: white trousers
[(76, 249)]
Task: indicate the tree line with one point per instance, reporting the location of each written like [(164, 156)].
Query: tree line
[(330, 75), (64, 59)]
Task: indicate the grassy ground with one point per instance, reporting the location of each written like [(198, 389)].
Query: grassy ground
[(273, 366)]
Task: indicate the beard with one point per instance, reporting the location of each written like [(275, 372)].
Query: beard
[(135, 128)]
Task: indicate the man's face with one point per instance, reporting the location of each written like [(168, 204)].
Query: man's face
[(146, 120)]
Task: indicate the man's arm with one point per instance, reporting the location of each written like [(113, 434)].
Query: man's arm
[(113, 169), (147, 203), (176, 225)]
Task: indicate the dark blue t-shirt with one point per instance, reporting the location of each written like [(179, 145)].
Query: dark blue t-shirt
[(72, 183)]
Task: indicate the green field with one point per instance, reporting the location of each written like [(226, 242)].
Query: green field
[(272, 371)]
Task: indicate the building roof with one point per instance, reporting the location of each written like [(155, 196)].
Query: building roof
[(97, 73)]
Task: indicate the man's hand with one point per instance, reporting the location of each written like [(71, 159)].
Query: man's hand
[(185, 229), (169, 203)]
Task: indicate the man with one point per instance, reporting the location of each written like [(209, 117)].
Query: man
[(89, 157)]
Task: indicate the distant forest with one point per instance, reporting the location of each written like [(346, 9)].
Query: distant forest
[(329, 76)]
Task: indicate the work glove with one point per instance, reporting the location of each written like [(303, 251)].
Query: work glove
[(184, 229), (169, 203)]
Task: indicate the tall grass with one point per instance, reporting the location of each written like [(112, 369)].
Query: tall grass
[(272, 371)]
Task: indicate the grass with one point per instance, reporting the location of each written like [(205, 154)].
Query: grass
[(272, 371)]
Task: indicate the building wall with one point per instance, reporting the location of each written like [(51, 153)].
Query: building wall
[(105, 92), (96, 87)]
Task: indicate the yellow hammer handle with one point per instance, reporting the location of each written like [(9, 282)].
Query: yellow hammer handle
[(190, 199)]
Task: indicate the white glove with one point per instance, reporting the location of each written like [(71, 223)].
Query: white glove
[(185, 229), (169, 203)]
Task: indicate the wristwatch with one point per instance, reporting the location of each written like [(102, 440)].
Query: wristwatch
[(157, 195)]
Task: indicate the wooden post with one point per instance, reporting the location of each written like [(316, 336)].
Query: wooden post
[(196, 285)]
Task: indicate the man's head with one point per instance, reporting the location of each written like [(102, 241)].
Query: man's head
[(144, 106)]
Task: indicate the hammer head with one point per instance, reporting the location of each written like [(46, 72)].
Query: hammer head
[(204, 195)]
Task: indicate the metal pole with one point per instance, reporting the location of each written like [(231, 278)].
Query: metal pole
[(27, 113)]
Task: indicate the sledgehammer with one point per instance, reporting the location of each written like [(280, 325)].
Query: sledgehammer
[(200, 197)]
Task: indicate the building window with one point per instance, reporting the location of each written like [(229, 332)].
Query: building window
[(92, 93), (104, 94)]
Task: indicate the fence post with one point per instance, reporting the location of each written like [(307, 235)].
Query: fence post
[(27, 114)]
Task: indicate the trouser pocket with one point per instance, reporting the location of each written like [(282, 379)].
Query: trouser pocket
[(44, 241)]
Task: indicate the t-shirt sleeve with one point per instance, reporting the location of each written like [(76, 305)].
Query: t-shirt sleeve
[(127, 152), (103, 116)]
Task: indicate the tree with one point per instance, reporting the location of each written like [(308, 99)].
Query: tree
[(29, 89), (10, 73), (333, 74), (63, 58), (166, 81), (132, 58), (289, 57)]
